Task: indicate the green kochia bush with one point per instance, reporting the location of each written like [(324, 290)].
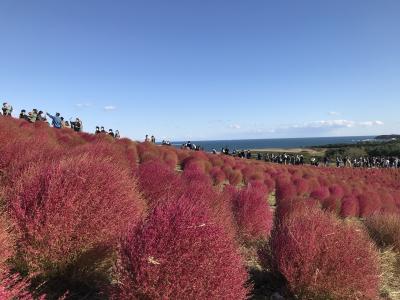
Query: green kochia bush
[(323, 258), (180, 253)]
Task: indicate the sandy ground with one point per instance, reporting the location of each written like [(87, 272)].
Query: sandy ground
[(291, 150)]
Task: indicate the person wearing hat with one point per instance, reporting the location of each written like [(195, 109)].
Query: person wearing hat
[(116, 135), (40, 117), (110, 132), (7, 109), (22, 115), (97, 130), (32, 116), (77, 125)]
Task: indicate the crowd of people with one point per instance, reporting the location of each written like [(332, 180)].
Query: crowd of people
[(368, 162), (190, 146), (166, 143), (56, 120), (299, 159), (151, 139), (101, 130), (284, 158)]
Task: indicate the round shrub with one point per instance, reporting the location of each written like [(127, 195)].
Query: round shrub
[(178, 253), (332, 204), (235, 177), (324, 258), (157, 181), (384, 229), (217, 175), (285, 190), (11, 285), (370, 203), (320, 193), (252, 214), (198, 188), (71, 206), (350, 207)]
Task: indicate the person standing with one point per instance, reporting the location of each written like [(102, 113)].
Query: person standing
[(32, 116), (77, 125), (56, 120), (40, 117), (22, 115), (7, 109)]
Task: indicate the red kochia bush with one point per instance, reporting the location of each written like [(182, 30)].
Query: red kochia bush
[(285, 190), (323, 258), (6, 246), (178, 253), (157, 181), (235, 177), (350, 207), (11, 286), (198, 189), (384, 229), (68, 207), (18, 152), (370, 203), (217, 175), (320, 193), (253, 214)]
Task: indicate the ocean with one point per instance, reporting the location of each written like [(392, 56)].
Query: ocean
[(275, 143)]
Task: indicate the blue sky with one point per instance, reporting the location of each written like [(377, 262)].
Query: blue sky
[(206, 69)]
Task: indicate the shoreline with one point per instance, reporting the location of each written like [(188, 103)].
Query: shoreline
[(312, 151)]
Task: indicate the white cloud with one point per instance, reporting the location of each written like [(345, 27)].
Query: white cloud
[(325, 124), (82, 105), (334, 113), (234, 126), (371, 123), (109, 108), (336, 124)]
